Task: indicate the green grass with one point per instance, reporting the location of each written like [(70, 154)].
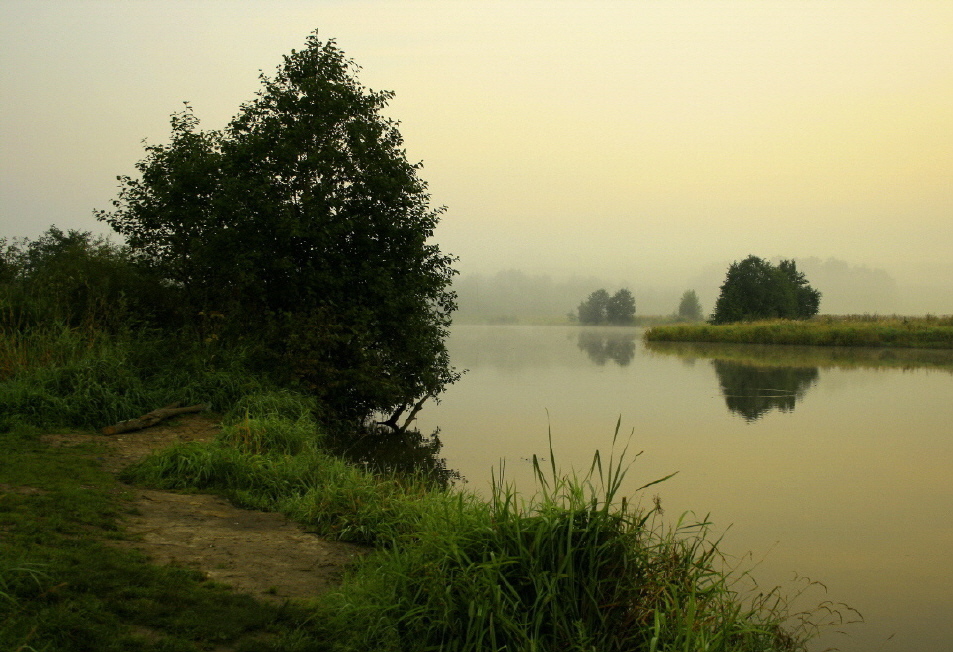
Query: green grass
[(574, 566), (65, 586), (58, 376), (857, 331)]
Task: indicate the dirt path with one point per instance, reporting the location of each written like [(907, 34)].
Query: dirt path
[(261, 553)]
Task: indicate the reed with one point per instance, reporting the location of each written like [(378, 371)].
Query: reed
[(857, 331)]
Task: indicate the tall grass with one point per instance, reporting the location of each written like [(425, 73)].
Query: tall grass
[(268, 455), (575, 566), (57, 375), (871, 331)]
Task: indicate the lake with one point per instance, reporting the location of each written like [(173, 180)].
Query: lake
[(829, 464)]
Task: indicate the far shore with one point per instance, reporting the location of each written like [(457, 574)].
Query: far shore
[(929, 332)]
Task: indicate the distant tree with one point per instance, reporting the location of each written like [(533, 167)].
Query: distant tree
[(756, 289), (600, 308), (304, 224), (807, 299), (689, 308), (620, 309), (592, 311)]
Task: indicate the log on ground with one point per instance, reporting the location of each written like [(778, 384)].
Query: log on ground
[(152, 418)]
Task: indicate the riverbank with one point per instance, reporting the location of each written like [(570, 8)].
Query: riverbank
[(574, 566), (862, 331)]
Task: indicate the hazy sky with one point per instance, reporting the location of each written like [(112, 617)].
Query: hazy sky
[(631, 139)]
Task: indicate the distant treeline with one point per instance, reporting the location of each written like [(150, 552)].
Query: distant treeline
[(515, 295)]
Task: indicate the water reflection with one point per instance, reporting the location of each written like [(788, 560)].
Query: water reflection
[(782, 480), (403, 453), (602, 346), (752, 391), (823, 357)]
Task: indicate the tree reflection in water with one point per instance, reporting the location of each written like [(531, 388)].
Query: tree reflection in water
[(602, 346), (409, 452), (752, 391)]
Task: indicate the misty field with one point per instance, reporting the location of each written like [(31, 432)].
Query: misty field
[(929, 332)]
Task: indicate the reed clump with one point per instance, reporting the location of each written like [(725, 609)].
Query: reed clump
[(928, 332)]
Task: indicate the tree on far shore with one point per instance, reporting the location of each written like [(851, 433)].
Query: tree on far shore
[(600, 308), (756, 289), (689, 308)]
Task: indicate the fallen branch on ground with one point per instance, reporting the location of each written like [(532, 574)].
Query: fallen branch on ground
[(152, 418)]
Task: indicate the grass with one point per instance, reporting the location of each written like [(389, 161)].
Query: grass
[(857, 331), (59, 376), (575, 566), (64, 585)]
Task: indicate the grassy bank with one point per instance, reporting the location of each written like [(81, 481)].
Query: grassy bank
[(866, 331), (575, 566)]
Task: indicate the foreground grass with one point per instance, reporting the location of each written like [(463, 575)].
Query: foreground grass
[(573, 567), (65, 584), (567, 569), (862, 331)]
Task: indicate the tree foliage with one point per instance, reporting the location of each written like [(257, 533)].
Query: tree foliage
[(75, 278), (756, 289), (689, 308), (600, 308), (303, 223)]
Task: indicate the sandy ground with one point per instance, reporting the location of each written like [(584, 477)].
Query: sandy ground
[(261, 553)]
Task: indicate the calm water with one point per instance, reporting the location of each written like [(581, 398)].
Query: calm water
[(832, 464)]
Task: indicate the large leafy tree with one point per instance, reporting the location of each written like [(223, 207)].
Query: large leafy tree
[(756, 289), (304, 224)]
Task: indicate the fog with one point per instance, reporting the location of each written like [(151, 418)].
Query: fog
[(514, 295), (619, 144)]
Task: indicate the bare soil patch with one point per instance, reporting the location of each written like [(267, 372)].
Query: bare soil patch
[(261, 553)]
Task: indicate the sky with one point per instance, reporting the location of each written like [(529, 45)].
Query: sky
[(645, 140)]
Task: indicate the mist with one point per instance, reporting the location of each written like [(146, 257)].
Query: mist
[(640, 145), (516, 295)]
